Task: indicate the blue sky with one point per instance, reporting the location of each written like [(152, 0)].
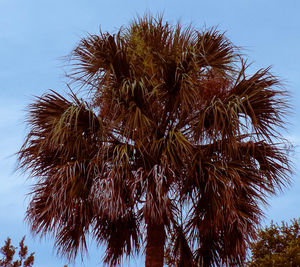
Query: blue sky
[(36, 34)]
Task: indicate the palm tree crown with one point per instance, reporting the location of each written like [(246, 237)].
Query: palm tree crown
[(174, 136)]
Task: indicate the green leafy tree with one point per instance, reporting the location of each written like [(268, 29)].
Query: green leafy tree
[(173, 137), (277, 246), (8, 251)]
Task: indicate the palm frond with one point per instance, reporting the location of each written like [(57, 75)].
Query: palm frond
[(121, 236), (214, 50)]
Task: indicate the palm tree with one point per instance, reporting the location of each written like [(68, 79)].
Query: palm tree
[(172, 137)]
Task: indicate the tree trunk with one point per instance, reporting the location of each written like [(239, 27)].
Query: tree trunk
[(155, 245)]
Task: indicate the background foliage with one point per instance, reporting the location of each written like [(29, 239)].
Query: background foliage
[(8, 251), (277, 245)]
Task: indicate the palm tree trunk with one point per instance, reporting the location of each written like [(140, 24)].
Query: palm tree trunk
[(155, 245)]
